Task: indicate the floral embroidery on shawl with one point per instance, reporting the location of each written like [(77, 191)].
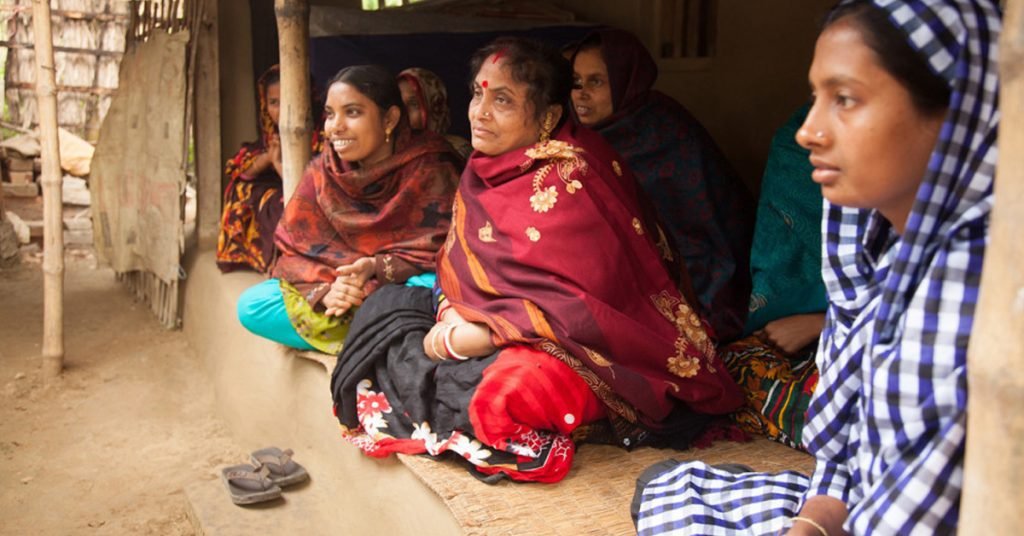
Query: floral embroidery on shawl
[(566, 160), (692, 334)]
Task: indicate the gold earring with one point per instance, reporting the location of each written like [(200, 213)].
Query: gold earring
[(387, 135), (546, 127)]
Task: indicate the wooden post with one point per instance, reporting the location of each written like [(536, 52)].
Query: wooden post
[(994, 467), (295, 125), (207, 127), (53, 222), (9, 245)]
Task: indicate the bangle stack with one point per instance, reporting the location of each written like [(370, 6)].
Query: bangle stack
[(441, 354), (449, 349)]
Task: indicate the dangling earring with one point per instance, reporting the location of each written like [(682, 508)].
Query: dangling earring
[(387, 135), (546, 127)]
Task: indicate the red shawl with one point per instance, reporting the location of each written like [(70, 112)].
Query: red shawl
[(551, 246), (400, 206)]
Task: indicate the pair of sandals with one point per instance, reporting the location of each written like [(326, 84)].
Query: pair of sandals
[(261, 480)]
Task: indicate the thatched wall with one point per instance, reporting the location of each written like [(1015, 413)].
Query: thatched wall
[(139, 213), (88, 39)]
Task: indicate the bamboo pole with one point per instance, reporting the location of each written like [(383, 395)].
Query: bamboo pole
[(295, 125), (9, 245), (207, 125), (53, 224), (994, 466)]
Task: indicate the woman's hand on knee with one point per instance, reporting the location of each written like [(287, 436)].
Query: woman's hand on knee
[(349, 288), (359, 272), (343, 295), (793, 333)]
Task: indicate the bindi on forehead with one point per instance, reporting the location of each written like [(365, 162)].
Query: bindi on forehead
[(483, 84)]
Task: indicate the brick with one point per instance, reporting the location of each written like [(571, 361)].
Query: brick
[(21, 164), (22, 177), (21, 190)]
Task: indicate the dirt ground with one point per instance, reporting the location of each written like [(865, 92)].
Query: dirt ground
[(108, 448)]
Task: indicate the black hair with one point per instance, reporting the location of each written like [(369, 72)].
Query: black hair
[(373, 81), (591, 42), (271, 78), (540, 66), (929, 91)]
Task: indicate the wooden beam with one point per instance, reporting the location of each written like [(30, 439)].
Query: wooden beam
[(29, 86), (295, 125), (994, 466), (70, 14), (207, 127), (68, 50), (53, 224)]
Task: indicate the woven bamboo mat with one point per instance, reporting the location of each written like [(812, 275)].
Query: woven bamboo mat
[(593, 499)]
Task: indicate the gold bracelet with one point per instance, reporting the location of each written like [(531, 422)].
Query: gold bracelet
[(810, 522)]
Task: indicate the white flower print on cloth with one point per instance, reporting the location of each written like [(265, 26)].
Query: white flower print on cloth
[(423, 433), (372, 407), (470, 449)]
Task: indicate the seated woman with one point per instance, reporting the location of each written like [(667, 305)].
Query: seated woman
[(253, 201), (902, 134), (774, 364), (426, 103), (704, 206), (560, 309), (372, 209)]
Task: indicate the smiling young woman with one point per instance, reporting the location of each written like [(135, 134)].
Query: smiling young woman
[(372, 209), (357, 126), (902, 135)]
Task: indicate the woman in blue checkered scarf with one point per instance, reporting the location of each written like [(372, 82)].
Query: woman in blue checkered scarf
[(902, 135)]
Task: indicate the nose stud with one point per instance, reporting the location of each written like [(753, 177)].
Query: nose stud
[(819, 134)]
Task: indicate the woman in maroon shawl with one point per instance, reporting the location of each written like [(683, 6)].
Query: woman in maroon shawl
[(704, 206), (372, 209), (559, 306)]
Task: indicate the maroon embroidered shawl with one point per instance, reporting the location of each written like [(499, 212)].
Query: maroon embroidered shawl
[(551, 246), (400, 206)]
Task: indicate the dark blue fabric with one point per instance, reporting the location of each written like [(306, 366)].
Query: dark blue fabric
[(705, 208)]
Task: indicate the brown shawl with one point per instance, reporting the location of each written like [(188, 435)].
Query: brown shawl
[(397, 211)]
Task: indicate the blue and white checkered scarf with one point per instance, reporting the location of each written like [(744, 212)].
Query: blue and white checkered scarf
[(887, 421), (894, 351)]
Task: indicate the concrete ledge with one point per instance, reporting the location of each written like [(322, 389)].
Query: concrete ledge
[(301, 509), (267, 396)]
